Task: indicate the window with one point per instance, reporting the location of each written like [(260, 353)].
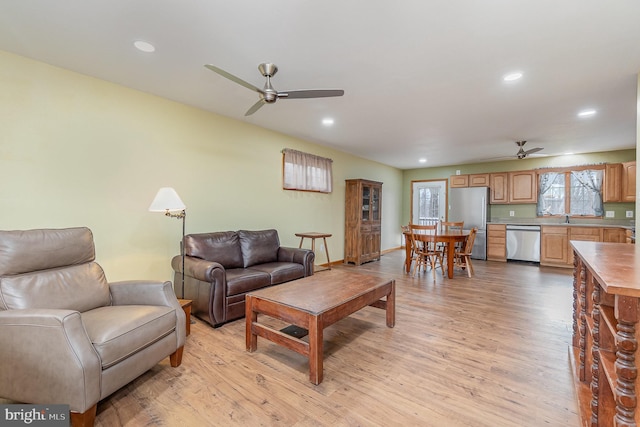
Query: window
[(307, 172), (573, 192)]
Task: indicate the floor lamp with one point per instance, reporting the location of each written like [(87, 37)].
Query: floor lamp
[(168, 201)]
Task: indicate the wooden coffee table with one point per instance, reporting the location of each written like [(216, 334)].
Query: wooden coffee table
[(313, 303)]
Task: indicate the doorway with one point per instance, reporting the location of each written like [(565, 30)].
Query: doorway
[(428, 201)]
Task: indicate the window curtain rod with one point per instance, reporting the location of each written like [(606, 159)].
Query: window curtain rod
[(290, 150)]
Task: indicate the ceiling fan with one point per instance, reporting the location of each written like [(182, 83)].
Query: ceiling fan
[(268, 95), (522, 153)]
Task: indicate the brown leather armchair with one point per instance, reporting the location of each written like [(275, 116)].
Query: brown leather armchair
[(67, 336)]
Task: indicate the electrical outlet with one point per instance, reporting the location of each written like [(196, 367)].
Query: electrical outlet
[(322, 246), (512, 213), (629, 214), (610, 214)]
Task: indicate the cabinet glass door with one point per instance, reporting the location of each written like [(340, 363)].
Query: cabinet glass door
[(375, 204), (366, 195)]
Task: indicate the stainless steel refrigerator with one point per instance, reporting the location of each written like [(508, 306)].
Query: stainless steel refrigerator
[(471, 205)]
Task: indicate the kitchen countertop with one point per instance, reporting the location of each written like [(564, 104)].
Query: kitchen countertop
[(627, 224)]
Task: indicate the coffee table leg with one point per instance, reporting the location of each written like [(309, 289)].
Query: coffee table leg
[(391, 305), (250, 317), (315, 350)]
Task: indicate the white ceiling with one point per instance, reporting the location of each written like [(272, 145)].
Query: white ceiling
[(421, 78)]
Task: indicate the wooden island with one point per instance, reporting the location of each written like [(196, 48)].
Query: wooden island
[(606, 312)]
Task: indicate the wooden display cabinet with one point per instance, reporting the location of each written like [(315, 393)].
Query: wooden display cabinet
[(363, 215)]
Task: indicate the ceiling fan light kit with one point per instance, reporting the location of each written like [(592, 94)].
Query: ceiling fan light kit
[(268, 95)]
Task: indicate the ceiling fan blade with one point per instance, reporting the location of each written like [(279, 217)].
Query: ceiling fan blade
[(310, 93), (533, 150), (233, 78), (255, 107)]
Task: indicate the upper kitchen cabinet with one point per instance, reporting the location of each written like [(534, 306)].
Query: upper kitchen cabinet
[(459, 181), (612, 182), (499, 187), (479, 180), (522, 187), (628, 182)]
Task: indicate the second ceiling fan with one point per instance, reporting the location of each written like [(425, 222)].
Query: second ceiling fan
[(268, 95), (522, 153)]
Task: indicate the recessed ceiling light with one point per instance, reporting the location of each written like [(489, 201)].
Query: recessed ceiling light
[(144, 46), (511, 77), (423, 160), (587, 113), (327, 122), (568, 154)]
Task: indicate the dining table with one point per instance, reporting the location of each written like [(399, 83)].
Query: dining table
[(448, 237)]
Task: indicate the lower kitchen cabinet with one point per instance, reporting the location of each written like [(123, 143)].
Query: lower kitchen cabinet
[(555, 241), (554, 246), (497, 242)]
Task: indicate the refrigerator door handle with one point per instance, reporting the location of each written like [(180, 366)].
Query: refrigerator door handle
[(484, 212)]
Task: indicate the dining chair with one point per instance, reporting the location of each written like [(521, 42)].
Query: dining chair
[(406, 232), (462, 257), (447, 226), (428, 253)]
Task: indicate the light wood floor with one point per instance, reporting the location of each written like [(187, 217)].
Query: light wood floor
[(488, 351)]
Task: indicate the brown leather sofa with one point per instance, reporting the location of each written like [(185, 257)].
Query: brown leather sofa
[(221, 267), (67, 336)]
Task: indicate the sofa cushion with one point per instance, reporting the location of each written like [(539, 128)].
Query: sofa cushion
[(281, 272), (222, 247), (119, 331), (77, 287), (241, 280), (259, 247)]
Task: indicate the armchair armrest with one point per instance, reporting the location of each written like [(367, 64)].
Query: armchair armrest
[(46, 355), (142, 292), (306, 257)]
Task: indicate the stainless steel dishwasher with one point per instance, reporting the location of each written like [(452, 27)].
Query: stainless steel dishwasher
[(523, 242)]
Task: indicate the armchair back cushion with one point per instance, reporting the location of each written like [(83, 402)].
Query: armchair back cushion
[(259, 247), (37, 272), (221, 247)]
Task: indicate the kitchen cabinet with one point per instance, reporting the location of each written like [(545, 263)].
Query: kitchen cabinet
[(555, 241), (459, 181), (612, 191), (585, 234), (479, 180), (363, 206), (497, 242), (554, 246), (523, 187), (628, 182), (614, 235), (499, 188)]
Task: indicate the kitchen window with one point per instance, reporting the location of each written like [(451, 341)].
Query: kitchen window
[(572, 192)]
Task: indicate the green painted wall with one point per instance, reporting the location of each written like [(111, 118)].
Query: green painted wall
[(79, 151)]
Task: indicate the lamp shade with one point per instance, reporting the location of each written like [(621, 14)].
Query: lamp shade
[(166, 200)]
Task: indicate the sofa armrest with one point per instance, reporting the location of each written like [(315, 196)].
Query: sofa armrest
[(200, 269), (306, 257), (205, 283), (47, 357)]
